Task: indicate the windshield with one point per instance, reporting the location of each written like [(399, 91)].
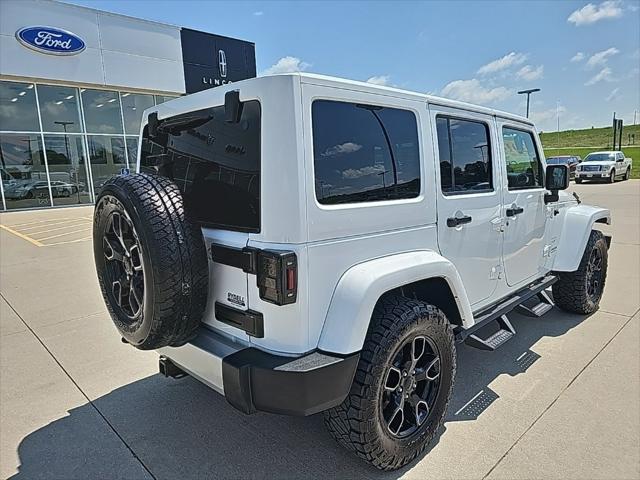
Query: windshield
[(557, 160), (599, 157)]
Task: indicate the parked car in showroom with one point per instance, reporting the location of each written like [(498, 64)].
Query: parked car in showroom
[(27, 189), (571, 161), (306, 244), (604, 166)]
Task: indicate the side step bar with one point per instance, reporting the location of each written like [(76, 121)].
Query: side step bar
[(540, 308), (499, 311), (496, 340)]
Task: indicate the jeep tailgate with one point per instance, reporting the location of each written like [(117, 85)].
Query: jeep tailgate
[(228, 284)]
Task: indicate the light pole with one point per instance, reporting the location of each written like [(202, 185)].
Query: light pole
[(528, 93), (66, 147)]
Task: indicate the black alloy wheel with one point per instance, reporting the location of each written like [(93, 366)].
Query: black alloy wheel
[(124, 269), (594, 275), (412, 382)]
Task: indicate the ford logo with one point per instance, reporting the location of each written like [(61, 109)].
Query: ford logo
[(50, 40)]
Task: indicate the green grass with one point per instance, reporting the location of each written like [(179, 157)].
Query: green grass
[(631, 152), (600, 138)]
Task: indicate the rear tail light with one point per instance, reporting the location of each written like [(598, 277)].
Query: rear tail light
[(277, 276)]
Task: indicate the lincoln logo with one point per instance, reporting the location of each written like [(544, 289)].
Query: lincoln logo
[(222, 63), (50, 40)]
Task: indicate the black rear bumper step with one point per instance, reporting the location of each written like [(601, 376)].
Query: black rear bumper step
[(488, 315), (255, 380)]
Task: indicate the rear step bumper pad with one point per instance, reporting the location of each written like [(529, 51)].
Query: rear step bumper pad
[(253, 380), (256, 380)]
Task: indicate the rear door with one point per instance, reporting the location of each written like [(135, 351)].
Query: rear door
[(216, 165), (469, 198), (524, 208)]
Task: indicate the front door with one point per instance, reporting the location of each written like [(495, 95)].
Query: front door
[(469, 198), (524, 208)]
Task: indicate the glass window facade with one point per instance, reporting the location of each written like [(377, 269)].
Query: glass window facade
[(59, 144)]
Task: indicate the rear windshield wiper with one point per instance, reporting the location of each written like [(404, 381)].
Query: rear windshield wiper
[(180, 123), (176, 124)]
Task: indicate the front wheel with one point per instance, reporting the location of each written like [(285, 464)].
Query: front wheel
[(581, 291), (578, 180), (402, 386), (612, 177), (627, 174)]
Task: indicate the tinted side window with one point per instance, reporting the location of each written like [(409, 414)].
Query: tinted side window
[(524, 169), (364, 153), (465, 156)]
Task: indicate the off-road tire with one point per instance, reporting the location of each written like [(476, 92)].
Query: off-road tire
[(173, 256), (357, 423), (570, 291)]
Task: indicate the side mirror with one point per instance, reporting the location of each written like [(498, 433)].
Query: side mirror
[(556, 178)]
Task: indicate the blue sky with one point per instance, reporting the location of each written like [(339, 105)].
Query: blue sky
[(586, 56)]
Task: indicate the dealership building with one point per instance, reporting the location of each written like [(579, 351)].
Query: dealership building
[(74, 82)]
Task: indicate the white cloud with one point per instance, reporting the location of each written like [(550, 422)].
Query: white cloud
[(578, 57), (529, 73), (633, 8), (473, 91), (545, 115), (362, 172), (258, 14), (613, 95), (379, 80), (599, 59), (509, 60), (591, 13), (347, 147), (602, 75), (287, 65)]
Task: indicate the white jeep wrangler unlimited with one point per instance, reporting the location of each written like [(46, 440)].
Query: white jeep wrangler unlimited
[(306, 244)]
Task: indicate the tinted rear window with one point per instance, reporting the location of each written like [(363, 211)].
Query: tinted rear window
[(364, 153), (215, 164)]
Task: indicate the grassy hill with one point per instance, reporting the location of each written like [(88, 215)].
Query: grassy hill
[(600, 138), (582, 142)]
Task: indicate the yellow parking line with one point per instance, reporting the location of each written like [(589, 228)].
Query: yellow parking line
[(68, 241), (57, 228), (63, 234), (40, 221), (51, 223), (24, 237)]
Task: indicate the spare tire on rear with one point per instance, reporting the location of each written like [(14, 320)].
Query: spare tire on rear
[(151, 261)]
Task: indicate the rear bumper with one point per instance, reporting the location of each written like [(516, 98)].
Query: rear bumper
[(253, 380)]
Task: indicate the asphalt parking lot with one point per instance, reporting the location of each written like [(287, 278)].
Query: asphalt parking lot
[(560, 400)]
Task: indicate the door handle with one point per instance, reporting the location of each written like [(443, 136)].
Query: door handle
[(514, 210), (455, 221)]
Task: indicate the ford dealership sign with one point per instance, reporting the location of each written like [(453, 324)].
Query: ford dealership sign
[(50, 40)]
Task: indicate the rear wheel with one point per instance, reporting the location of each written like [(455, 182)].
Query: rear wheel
[(581, 291), (402, 385)]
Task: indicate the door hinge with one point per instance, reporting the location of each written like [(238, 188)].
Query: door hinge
[(549, 250), (497, 224), (496, 272)]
